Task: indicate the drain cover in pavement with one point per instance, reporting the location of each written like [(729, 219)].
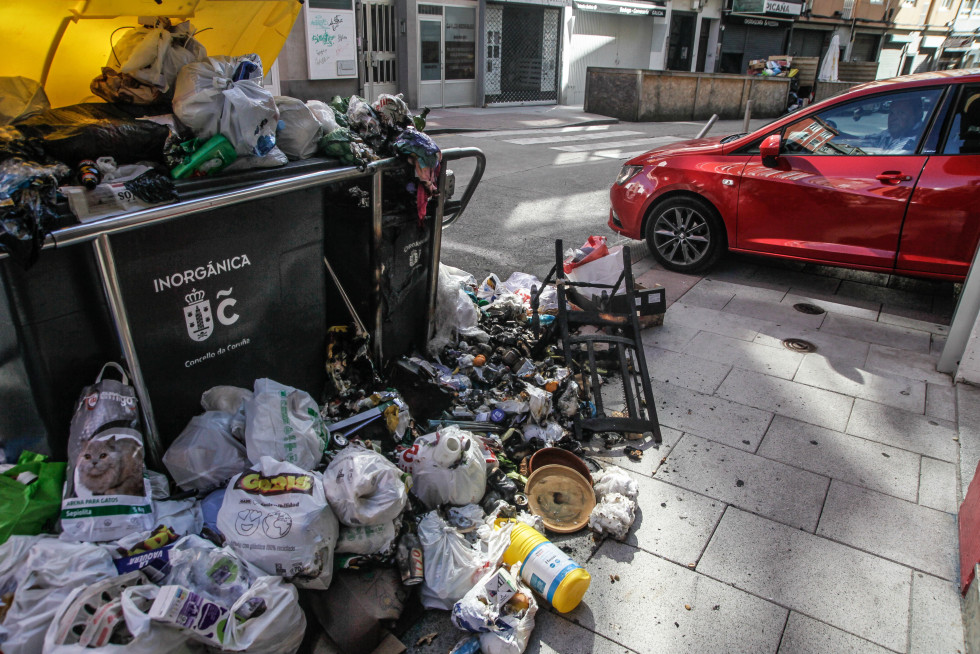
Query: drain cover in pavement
[(799, 345), (806, 307)]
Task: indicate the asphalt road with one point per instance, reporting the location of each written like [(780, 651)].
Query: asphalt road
[(545, 184)]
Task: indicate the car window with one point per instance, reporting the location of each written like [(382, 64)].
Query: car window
[(964, 132), (891, 123)]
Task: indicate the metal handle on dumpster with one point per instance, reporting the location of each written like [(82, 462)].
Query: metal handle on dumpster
[(453, 209)]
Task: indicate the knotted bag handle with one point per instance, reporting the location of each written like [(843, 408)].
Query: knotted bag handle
[(122, 372)]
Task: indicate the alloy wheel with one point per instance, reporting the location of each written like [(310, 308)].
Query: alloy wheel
[(682, 235)]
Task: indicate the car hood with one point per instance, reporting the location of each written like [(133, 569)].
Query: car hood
[(692, 146)]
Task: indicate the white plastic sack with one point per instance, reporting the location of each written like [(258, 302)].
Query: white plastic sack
[(209, 102), (230, 399), (366, 540), (279, 630), (614, 515), (447, 466), (276, 517), (502, 630), (284, 423), (550, 433), (324, 115), (604, 270), (614, 480), (455, 313), (205, 455), (52, 570), (451, 565), (299, 129), (364, 488)]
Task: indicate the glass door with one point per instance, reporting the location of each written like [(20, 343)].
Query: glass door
[(431, 67)]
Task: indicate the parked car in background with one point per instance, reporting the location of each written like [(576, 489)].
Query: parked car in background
[(884, 177)]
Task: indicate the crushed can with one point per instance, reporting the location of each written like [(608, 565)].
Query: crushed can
[(410, 561)]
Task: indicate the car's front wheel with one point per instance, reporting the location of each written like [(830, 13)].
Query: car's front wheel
[(685, 234)]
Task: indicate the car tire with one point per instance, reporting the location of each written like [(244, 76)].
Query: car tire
[(685, 234)]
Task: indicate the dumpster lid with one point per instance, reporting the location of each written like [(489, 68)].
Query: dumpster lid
[(65, 43)]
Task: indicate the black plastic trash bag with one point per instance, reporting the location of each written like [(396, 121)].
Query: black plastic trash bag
[(27, 196)]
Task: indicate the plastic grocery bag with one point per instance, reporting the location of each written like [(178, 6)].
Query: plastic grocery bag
[(276, 517), (451, 565), (603, 270), (224, 95), (277, 630), (364, 488), (593, 248), (284, 423), (447, 466), (51, 571), (367, 540), (324, 115), (299, 130), (504, 627), (106, 493), (455, 312), (30, 495), (206, 455)]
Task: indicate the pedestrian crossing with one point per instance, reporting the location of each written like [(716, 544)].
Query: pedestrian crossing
[(582, 143)]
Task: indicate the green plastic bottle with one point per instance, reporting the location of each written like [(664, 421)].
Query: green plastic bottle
[(212, 157)]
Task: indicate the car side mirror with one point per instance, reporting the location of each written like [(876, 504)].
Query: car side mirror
[(769, 149)]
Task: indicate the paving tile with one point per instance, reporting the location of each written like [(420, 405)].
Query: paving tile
[(890, 296), (832, 304), (846, 588), (833, 454), (712, 417), (863, 276), (685, 370), (910, 323), (853, 380), (941, 401), (652, 453), (781, 314), (788, 398), (877, 332), (805, 635), (776, 361), (554, 634), (783, 277), (928, 316), (710, 295), (913, 535), (937, 620), (672, 522), (908, 431), (828, 345), (937, 485), (645, 609), (914, 365), (669, 336), (675, 284), (710, 320), (750, 482)]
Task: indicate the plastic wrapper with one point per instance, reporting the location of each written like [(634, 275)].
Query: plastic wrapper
[(568, 402), (452, 566), (225, 95), (549, 432), (51, 570), (184, 517), (364, 121), (284, 423), (364, 488), (27, 197), (276, 517), (92, 130), (504, 628), (615, 480), (271, 159), (217, 573), (539, 402), (205, 455), (19, 98), (324, 115), (447, 466), (393, 111), (593, 248), (299, 130), (347, 147), (613, 515), (106, 494), (456, 313)]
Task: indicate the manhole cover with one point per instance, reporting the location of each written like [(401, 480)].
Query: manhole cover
[(806, 307), (799, 345)]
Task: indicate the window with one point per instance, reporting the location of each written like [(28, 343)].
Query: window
[(964, 132), (947, 4), (460, 43), (883, 124)]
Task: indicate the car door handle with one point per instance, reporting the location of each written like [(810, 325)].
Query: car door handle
[(893, 177)]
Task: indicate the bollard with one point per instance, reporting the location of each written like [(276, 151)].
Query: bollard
[(711, 123), (748, 116)]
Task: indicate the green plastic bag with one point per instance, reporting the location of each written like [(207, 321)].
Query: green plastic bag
[(33, 508)]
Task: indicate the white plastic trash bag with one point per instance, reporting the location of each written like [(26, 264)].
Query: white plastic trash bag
[(284, 423), (504, 626), (451, 565), (278, 630), (299, 130), (456, 312), (206, 455), (324, 115), (230, 399), (364, 488), (447, 466), (276, 517), (224, 95)]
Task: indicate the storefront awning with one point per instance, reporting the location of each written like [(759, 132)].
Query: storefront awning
[(624, 8)]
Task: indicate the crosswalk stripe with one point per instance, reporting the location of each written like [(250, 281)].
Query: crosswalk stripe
[(566, 139), (539, 130), (609, 145)]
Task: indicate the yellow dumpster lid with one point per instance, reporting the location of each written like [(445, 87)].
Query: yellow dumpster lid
[(65, 43)]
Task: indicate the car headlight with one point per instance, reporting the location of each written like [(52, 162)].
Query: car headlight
[(627, 173)]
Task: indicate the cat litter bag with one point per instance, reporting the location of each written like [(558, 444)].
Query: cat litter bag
[(284, 423), (276, 517), (106, 494)]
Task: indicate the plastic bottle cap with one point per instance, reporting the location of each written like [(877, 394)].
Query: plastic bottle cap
[(497, 415)]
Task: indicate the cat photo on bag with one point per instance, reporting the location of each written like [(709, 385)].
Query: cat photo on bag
[(110, 464)]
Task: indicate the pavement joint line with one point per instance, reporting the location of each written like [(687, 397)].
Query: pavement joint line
[(782, 633)]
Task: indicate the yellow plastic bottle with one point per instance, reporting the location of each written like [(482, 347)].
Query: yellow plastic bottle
[(545, 568)]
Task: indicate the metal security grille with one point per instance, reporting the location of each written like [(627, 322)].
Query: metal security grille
[(380, 60), (523, 51)]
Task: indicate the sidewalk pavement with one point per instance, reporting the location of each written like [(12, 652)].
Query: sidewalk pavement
[(800, 502)]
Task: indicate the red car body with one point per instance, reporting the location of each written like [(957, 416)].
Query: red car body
[(916, 213)]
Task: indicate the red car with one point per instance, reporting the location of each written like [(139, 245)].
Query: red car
[(885, 177)]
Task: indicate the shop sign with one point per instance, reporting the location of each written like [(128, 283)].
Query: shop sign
[(777, 7), (622, 9)]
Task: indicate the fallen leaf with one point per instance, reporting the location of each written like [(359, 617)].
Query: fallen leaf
[(426, 639)]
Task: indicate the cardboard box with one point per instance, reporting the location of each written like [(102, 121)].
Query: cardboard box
[(501, 587), (186, 609)]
